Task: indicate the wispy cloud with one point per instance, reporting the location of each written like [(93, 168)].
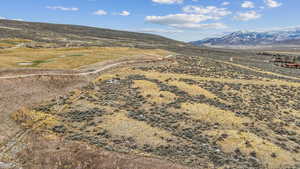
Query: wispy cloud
[(225, 3), (61, 8), (168, 1), (187, 21), (209, 10), (18, 19), (247, 4), (272, 3), (124, 13), (176, 19), (15, 19), (246, 16), (100, 12)]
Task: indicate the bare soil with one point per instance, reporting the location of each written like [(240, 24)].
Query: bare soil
[(26, 92), (56, 153)]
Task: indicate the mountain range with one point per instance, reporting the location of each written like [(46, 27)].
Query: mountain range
[(248, 38)]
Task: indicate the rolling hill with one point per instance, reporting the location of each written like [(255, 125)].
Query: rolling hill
[(73, 35)]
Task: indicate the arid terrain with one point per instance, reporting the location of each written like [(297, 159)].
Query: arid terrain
[(113, 107)]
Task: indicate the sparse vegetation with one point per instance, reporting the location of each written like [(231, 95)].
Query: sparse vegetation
[(231, 118), (35, 119)]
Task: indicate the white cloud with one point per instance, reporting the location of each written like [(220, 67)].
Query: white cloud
[(63, 8), (17, 19), (168, 1), (124, 13), (192, 18), (200, 26), (185, 21), (246, 16), (161, 31), (272, 3), (100, 12), (225, 3), (209, 10), (247, 4), (178, 19)]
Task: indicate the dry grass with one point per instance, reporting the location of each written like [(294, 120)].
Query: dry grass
[(34, 119), (248, 143), (6, 45), (152, 91), (14, 41), (213, 115), (9, 43), (119, 124), (267, 82), (70, 58), (119, 72), (195, 90)]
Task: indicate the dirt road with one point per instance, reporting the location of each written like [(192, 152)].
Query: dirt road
[(73, 74), (86, 72)]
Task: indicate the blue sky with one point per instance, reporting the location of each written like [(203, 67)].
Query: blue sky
[(185, 20)]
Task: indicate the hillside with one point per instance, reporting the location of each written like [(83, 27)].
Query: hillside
[(73, 35), (246, 38)]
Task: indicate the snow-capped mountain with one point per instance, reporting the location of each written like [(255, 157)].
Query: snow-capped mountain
[(245, 38)]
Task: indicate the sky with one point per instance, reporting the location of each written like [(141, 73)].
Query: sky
[(184, 20)]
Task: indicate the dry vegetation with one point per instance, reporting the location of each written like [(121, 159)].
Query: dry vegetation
[(152, 91), (195, 112), (70, 58), (34, 119), (9, 43), (120, 125)]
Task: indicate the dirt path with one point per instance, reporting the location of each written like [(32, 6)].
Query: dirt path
[(98, 70), (73, 74)]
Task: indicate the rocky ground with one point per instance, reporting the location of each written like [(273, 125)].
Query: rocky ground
[(192, 111)]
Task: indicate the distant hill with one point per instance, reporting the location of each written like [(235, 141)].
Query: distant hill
[(246, 38), (74, 35)]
